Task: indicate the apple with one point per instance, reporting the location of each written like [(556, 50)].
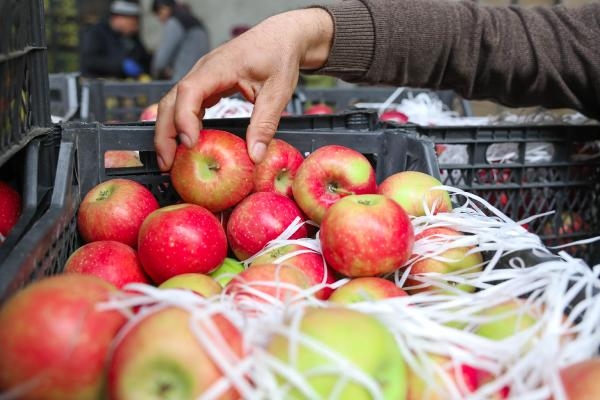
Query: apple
[(411, 189), (110, 260), (10, 209), (395, 116), (225, 272), (115, 210), (260, 218), (328, 174), (309, 262), (581, 381), (272, 281), (54, 341), (319, 109), (201, 284), (216, 173), (277, 171), (368, 288), (506, 319), (122, 159), (179, 239), (160, 357), (149, 113), (366, 235), (361, 340), (455, 259)]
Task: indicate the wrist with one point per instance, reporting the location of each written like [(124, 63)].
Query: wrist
[(319, 31)]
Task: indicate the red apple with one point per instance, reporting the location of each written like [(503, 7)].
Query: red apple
[(115, 210), (277, 171), (161, 357), (366, 235), (110, 260), (54, 341), (277, 281), (395, 116), (122, 159), (318, 109), (328, 174), (309, 262), (216, 173), (581, 381), (10, 209), (411, 189), (179, 239), (258, 219), (368, 288), (201, 284), (149, 113)]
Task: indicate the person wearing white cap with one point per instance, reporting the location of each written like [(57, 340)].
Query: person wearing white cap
[(112, 48)]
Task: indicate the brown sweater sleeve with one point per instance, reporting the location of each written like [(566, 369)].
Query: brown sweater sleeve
[(547, 56)]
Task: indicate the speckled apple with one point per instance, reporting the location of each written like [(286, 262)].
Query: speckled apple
[(276, 172)]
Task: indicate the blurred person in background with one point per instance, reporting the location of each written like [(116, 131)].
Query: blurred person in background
[(112, 48), (183, 41)]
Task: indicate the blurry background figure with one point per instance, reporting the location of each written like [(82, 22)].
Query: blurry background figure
[(112, 47), (183, 41)]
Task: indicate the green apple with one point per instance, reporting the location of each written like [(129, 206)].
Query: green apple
[(506, 319), (199, 283), (226, 271), (359, 338)]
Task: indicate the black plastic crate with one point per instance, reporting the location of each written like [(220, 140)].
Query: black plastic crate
[(24, 105), (64, 96), (545, 168), (44, 250)]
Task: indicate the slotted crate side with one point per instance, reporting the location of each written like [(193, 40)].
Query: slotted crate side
[(529, 170)]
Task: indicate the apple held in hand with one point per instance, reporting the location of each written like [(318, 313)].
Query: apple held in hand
[(411, 189), (328, 174), (201, 284), (216, 174), (54, 341), (115, 210), (110, 260), (368, 288), (277, 171), (179, 239), (10, 209), (162, 358), (260, 218), (362, 341), (366, 235)]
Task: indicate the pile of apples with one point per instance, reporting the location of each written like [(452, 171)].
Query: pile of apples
[(289, 227)]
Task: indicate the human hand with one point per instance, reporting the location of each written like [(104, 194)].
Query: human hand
[(262, 63), (131, 68)]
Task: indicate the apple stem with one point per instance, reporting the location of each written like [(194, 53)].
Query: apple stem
[(333, 187), (103, 195)]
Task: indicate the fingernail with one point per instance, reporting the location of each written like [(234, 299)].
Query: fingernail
[(258, 151), (185, 139)]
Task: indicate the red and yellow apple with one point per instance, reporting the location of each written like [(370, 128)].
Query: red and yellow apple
[(201, 284), (368, 288), (276, 172)]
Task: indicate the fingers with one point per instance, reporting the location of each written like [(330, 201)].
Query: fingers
[(165, 135)]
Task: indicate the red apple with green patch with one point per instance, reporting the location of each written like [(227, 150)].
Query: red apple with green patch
[(179, 239), (412, 189), (276, 172), (366, 235), (225, 272), (216, 174), (55, 341), (160, 357), (10, 209), (110, 260), (260, 218), (329, 174), (115, 210), (201, 284), (368, 288)]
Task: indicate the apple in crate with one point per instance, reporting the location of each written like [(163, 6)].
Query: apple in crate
[(359, 340), (319, 109), (216, 174), (506, 319), (581, 381), (411, 189), (395, 116), (308, 261), (328, 174), (10, 209), (260, 218), (454, 259), (368, 288), (115, 210), (225, 272), (110, 260), (366, 235), (161, 357), (276, 172), (149, 113), (122, 159), (54, 340), (179, 239), (201, 284)]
